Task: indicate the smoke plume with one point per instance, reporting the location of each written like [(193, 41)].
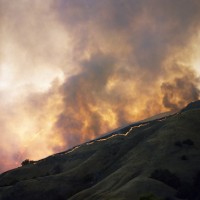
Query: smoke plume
[(72, 70)]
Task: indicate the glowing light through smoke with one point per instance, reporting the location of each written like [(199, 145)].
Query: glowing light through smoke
[(196, 54)]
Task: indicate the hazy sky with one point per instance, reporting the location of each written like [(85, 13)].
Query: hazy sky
[(71, 70)]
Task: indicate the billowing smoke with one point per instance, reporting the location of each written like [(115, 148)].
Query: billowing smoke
[(72, 70), (179, 92)]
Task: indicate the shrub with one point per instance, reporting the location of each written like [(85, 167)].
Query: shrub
[(188, 142), (27, 162), (165, 176)]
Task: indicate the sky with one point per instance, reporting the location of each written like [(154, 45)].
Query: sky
[(71, 70)]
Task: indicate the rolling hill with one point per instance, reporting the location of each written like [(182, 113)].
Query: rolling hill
[(157, 159)]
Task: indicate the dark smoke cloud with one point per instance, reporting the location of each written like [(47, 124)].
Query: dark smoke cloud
[(149, 29), (83, 92), (180, 91), (149, 33)]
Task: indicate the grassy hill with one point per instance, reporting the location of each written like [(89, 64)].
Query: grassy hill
[(154, 160)]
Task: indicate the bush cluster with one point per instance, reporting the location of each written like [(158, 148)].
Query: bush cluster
[(189, 191), (165, 176), (187, 142), (27, 162)]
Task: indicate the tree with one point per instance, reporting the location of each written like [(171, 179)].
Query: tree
[(165, 176), (27, 162)]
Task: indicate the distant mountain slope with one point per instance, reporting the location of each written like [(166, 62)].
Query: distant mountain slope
[(154, 160)]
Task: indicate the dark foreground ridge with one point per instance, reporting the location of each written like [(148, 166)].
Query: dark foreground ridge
[(149, 160)]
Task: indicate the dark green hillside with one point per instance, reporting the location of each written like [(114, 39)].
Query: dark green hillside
[(155, 160)]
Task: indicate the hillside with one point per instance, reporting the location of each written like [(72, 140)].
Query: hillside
[(153, 160)]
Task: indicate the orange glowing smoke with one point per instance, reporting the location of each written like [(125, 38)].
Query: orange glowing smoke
[(72, 70)]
